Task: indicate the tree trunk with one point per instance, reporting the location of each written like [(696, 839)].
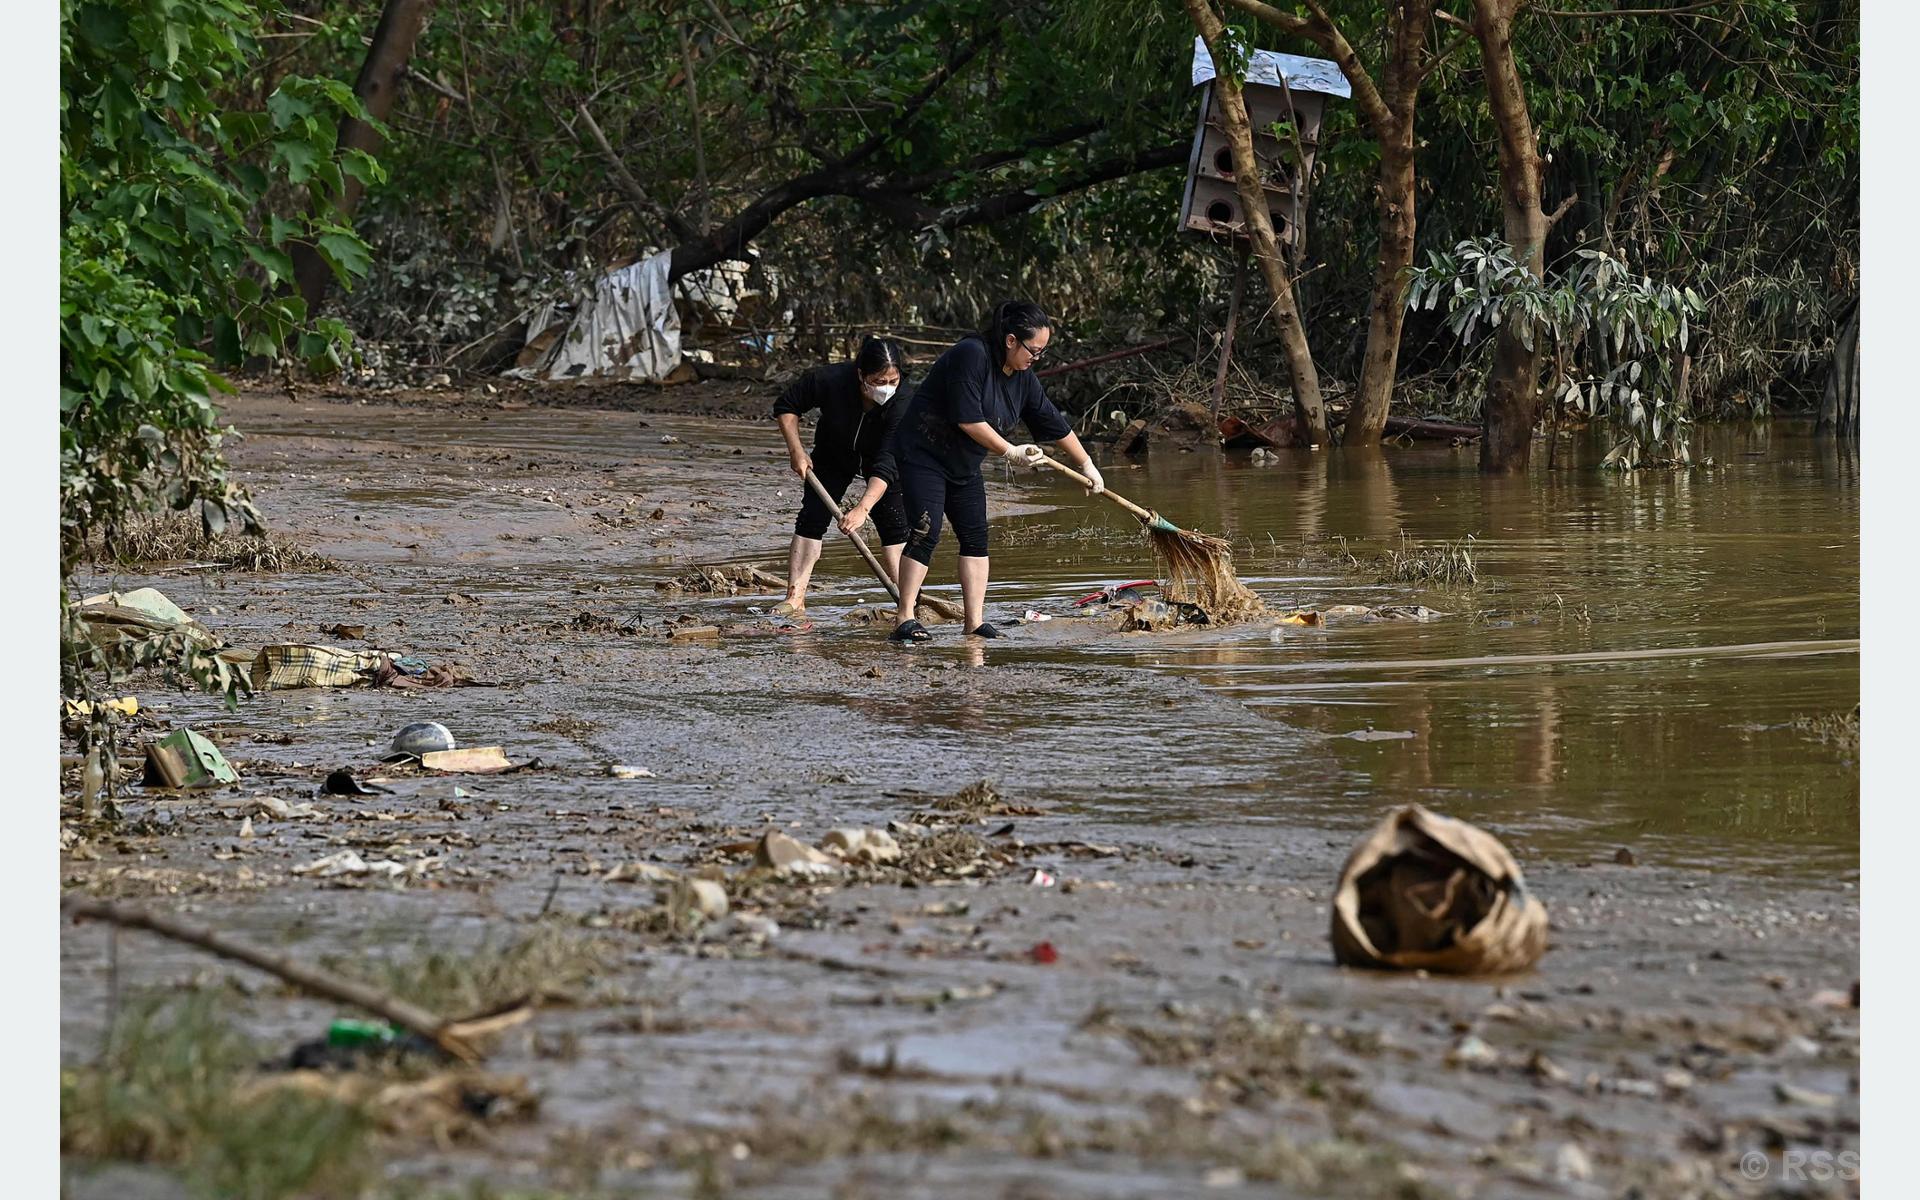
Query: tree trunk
[(378, 84), (1259, 224), (1394, 210), (1840, 404), (1513, 389)]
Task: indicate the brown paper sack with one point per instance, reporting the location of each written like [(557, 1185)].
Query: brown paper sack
[(1427, 892)]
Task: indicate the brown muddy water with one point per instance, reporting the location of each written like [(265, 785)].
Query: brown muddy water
[(1639, 666)]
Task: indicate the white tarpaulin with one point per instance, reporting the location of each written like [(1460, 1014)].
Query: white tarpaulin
[(1267, 66), (626, 329)]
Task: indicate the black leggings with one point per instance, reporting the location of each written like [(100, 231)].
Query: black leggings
[(928, 495), (889, 516)]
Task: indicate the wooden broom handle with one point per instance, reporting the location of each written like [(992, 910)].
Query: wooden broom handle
[(1109, 493)]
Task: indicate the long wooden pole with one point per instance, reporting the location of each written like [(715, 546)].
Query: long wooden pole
[(943, 607), (310, 979)]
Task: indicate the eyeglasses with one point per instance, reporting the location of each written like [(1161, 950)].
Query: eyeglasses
[(1035, 355)]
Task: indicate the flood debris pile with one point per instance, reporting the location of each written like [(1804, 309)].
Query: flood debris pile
[(1199, 571), (1427, 892), (1315, 618), (182, 537), (712, 580)]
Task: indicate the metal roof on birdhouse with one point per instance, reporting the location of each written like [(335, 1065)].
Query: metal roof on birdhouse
[(1303, 74)]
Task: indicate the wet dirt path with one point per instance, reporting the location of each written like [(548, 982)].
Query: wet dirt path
[(1193, 796)]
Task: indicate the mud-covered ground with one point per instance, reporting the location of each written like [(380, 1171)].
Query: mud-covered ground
[(1164, 1019)]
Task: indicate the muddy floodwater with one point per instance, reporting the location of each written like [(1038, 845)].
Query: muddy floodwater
[(1649, 692)]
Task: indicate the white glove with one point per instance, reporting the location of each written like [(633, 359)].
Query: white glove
[(1095, 484), (1024, 456)]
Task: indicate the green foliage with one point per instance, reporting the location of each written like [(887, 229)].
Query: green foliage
[(1614, 337), (170, 266), (171, 1089)]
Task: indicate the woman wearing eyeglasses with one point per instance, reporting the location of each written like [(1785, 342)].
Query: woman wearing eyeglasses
[(969, 402)]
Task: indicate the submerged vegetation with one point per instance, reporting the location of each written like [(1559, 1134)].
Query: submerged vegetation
[(170, 1090)]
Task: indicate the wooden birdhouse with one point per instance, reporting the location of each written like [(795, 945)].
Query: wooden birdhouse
[(1211, 204)]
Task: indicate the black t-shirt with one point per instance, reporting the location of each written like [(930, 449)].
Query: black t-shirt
[(853, 437), (965, 386)]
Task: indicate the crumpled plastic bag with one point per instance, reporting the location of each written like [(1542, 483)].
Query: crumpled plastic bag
[(1427, 892)]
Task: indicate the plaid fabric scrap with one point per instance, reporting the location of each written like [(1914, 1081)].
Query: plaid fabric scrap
[(312, 666)]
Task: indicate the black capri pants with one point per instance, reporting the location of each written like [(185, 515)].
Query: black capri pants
[(929, 494), (889, 516)]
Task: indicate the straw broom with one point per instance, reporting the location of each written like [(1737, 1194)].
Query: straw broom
[(1199, 566)]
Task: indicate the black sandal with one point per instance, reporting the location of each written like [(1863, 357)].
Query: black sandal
[(910, 631), (986, 630)]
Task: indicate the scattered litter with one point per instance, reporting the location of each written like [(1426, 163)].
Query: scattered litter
[(1301, 617), (184, 759), (342, 783), (1571, 1164), (346, 633), (349, 862), (1427, 892), (667, 439), (126, 706), (460, 599), (1116, 593), (1154, 615), (691, 632), (640, 872), (1044, 953), (140, 612), (439, 1107), (297, 666), (722, 581), (763, 928), (246, 827), (1406, 612), (862, 845), (1787, 1093), (623, 772), (415, 673), (1034, 615), (275, 807), (1041, 879), (1834, 999), (1474, 1053), (786, 856), (701, 896), (1624, 857), (422, 737), (479, 760)]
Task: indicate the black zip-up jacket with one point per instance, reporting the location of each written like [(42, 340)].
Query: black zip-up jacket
[(852, 437)]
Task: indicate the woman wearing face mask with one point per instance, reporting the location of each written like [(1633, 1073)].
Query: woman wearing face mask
[(972, 398), (858, 413)]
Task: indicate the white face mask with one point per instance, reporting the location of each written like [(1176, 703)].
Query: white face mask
[(882, 393)]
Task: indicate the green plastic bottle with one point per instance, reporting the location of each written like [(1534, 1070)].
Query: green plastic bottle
[(361, 1033)]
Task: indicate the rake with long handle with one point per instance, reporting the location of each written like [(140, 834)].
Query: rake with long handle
[(945, 608)]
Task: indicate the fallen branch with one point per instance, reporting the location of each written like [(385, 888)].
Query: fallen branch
[(1110, 356), (308, 979)]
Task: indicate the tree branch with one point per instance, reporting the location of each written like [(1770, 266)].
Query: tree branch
[(1433, 64), (1564, 207), (678, 225), (1323, 32), (961, 57), (1680, 11), (1279, 19), (1013, 203), (308, 979)]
